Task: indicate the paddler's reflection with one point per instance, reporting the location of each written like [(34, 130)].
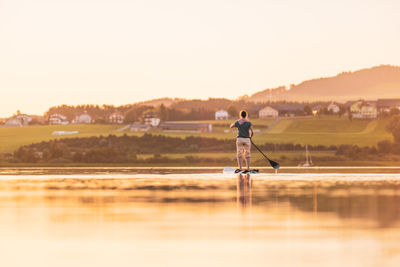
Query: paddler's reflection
[(243, 191)]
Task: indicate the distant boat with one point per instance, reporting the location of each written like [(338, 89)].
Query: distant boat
[(308, 162)]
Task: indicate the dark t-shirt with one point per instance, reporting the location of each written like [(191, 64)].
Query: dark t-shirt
[(243, 129)]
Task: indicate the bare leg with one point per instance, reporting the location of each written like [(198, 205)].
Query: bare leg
[(248, 163), (239, 160)]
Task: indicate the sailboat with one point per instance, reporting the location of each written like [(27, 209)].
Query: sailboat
[(308, 162)]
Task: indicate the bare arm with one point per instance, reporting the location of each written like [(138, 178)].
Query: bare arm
[(233, 125), (251, 131)]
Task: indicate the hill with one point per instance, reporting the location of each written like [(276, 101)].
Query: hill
[(371, 83), (160, 101)]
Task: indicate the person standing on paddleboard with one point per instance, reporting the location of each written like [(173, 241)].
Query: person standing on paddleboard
[(243, 142)]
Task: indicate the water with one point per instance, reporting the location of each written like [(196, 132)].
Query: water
[(198, 217)]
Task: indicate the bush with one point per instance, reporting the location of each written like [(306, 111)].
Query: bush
[(394, 128)]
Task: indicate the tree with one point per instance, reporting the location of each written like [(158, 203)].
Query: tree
[(162, 113), (307, 110), (385, 146), (130, 116), (394, 112), (232, 111), (394, 128), (350, 116)]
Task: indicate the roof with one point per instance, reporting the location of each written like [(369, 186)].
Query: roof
[(58, 115), (23, 116), (388, 102), (349, 103), (268, 108)]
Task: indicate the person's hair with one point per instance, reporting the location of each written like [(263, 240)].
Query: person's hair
[(243, 113)]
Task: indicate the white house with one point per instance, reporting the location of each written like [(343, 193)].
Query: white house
[(363, 110), (13, 122), (333, 108), (58, 119), (268, 112), (19, 120), (221, 115), (83, 119), (152, 121), (116, 117)]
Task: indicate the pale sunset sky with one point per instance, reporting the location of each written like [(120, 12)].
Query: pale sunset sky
[(122, 51)]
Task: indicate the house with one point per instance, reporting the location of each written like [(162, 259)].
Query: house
[(387, 104), (268, 112), (116, 117), (58, 119), (356, 106), (332, 107), (289, 109), (186, 127), (13, 122), (221, 115), (363, 110), (83, 119), (151, 119), (19, 120), (139, 127)]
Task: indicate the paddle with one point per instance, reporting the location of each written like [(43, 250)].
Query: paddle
[(274, 164)]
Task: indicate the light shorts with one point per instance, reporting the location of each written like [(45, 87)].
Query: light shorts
[(243, 144)]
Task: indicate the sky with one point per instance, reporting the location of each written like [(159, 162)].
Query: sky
[(116, 52)]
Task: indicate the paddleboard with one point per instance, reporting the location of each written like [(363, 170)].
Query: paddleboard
[(230, 170)]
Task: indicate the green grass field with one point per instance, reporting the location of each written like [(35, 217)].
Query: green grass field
[(13, 137), (327, 130)]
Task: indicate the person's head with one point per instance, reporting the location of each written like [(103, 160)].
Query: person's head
[(243, 113)]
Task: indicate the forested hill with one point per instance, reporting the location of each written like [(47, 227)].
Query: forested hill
[(376, 82)]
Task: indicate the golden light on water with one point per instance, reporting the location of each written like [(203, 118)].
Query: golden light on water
[(199, 220)]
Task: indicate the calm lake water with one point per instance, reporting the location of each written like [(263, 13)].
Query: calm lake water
[(199, 217)]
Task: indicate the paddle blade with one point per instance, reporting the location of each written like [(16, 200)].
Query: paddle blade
[(274, 164)]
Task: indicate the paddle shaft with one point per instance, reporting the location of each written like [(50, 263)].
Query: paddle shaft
[(259, 150)]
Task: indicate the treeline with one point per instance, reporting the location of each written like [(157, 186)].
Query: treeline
[(132, 113), (180, 110), (124, 149)]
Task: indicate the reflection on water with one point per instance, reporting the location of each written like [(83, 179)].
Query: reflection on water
[(243, 191), (199, 220)]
